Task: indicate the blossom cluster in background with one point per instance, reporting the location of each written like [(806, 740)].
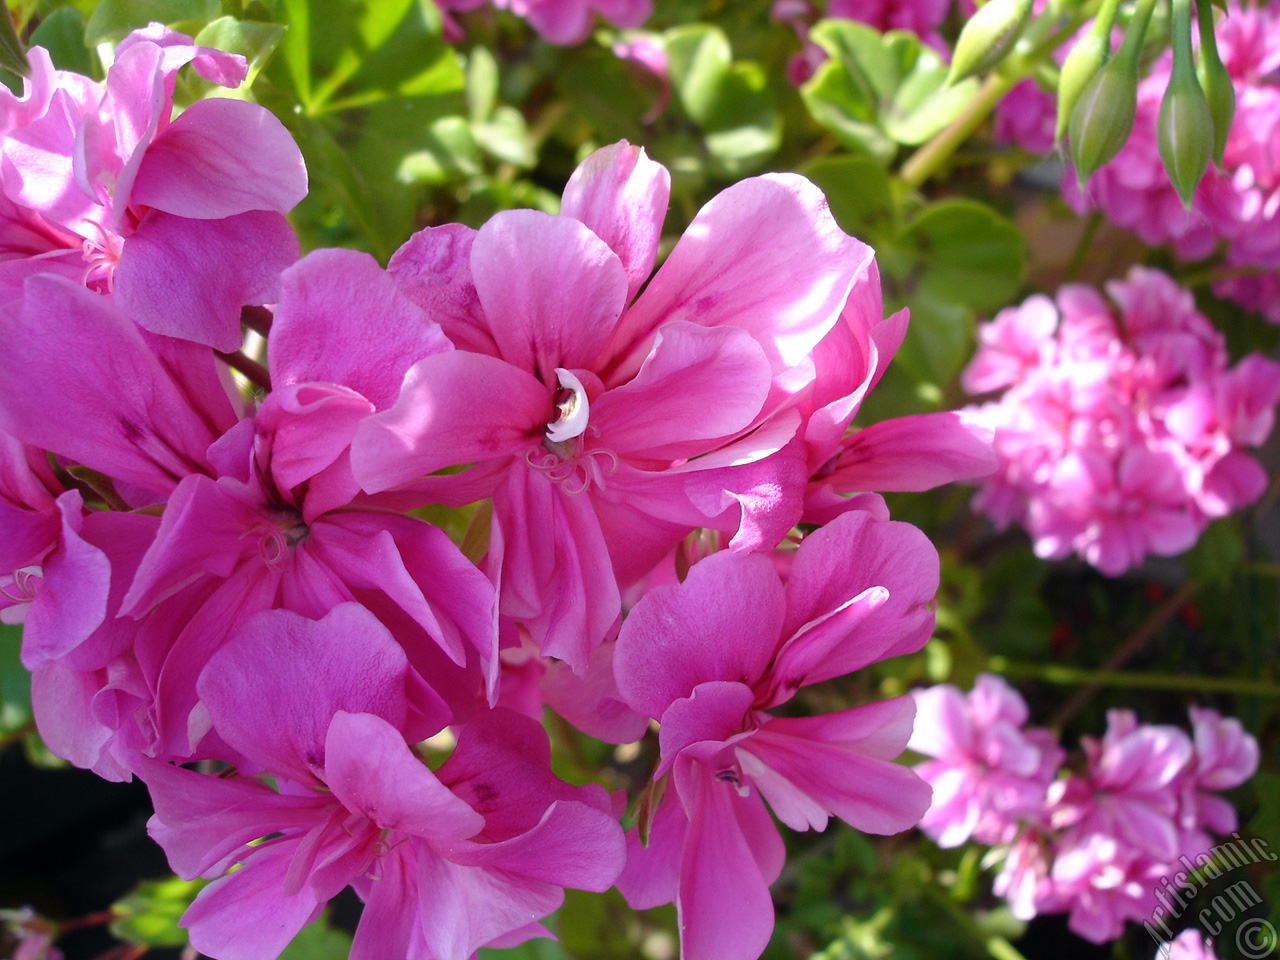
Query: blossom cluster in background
[(1121, 429), (1101, 842)]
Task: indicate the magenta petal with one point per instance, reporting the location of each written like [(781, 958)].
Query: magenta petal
[(189, 278), (81, 381), (454, 408), (342, 319), (433, 269), (725, 909), (697, 386), (253, 686), (72, 601), (621, 195), (652, 874), (764, 255), (373, 772), (307, 430), (805, 779), (219, 158), (551, 289), (592, 702), (245, 915), (715, 711), (914, 453), (850, 554), (722, 623)]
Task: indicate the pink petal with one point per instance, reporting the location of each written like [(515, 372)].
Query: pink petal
[(715, 712), (433, 269), (342, 319), (454, 408), (220, 158), (551, 288), (253, 686), (698, 386), (189, 278), (722, 623), (764, 255), (914, 453), (621, 195), (373, 772)]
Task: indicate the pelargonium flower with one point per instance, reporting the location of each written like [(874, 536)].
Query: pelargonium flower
[(1190, 944), (1236, 209), (625, 418), (182, 218), (1121, 431), (988, 774), (472, 855), (562, 22), (709, 658)]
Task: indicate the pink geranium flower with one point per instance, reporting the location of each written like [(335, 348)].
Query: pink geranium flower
[(709, 658), (472, 855), (624, 418), (183, 218)]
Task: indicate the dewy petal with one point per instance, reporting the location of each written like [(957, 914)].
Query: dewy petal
[(697, 385), (80, 381), (453, 408), (373, 772), (722, 623), (220, 158), (764, 255), (552, 290), (189, 278), (622, 196), (274, 687)]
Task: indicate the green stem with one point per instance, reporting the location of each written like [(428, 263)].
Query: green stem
[(1082, 247), (1073, 676), (926, 161)]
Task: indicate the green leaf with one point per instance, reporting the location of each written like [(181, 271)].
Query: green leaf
[(968, 254), (506, 137), (13, 56), (604, 94), (482, 84), (150, 914), (857, 190), (450, 152), (252, 40), (923, 105), (318, 941), (836, 102), (938, 339), (744, 128), (112, 19), (62, 34), (15, 682), (698, 61)]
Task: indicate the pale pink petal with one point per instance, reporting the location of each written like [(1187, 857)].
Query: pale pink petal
[(914, 453), (433, 269)]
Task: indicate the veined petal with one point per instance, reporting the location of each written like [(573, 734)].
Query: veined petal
[(913, 453), (622, 196), (552, 290)]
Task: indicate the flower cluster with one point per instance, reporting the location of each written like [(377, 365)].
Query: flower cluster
[(244, 582), (1235, 211), (1101, 844), (1121, 429)]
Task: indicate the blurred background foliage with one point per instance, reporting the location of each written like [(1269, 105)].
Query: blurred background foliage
[(402, 129)]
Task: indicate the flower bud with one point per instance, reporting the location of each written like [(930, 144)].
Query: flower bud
[(1082, 64), (1216, 82), (987, 37), (1103, 116), (1184, 133)]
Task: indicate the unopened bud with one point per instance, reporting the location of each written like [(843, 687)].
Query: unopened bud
[(1184, 133), (1082, 64), (988, 37), (1216, 82), (1103, 117)]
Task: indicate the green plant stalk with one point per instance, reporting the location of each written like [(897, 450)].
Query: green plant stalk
[(930, 157), (1072, 676)]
